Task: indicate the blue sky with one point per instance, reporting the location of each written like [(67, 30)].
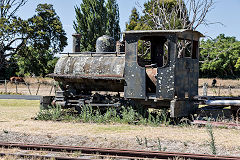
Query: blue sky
[(225, 11)]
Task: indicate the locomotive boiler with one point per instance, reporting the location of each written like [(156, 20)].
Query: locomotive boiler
[(152, 68)]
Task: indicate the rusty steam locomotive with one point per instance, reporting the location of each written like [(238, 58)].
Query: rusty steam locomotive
[(154, 68)]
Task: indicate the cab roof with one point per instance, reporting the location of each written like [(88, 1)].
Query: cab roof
[(181, 33)]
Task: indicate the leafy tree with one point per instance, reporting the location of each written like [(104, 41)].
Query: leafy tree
[(220, 57), (42, 32), (38, 62), (13, 31), (47, 31), (46, 38), (94, 19), (113, 28)]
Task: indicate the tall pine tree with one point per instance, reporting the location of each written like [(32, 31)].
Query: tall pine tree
[(113, 28), (133, 20), (90, 22), (136, 22), (94, 19)]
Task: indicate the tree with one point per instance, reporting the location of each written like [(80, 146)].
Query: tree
[(134, 19), (46, 38), (113, 28), (47, 31), (94, 19), (42, 32), (219, 57), (176, 14), (43, 60), (13, 30)]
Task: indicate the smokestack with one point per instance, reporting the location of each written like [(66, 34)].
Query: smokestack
[(76, 42)]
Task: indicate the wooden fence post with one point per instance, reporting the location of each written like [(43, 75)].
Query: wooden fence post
[(229, 90), (205, 85), (38, 87), (51, 90), (16, 86), (28, 88), (219, 90), (5, 83)]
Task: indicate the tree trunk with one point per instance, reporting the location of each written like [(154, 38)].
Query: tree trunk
[(2, 66)]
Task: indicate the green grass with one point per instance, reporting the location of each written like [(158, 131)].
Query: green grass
[(20, 103), (124, 115)]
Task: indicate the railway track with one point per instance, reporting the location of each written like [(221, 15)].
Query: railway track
[(117, 153)]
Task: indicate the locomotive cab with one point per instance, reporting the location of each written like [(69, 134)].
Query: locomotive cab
[(162, 68)]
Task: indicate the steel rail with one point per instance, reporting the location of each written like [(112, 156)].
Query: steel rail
[(216, 124), (116, 152), (39, 156)]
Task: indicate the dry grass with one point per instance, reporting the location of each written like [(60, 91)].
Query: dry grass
[(38, 79), (222, 82), (221, 88), (16, 117)]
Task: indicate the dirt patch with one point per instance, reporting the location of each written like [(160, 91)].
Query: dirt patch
[(16, 125)]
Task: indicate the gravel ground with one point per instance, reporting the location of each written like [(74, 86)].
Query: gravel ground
[(115, 141), (17, 125)]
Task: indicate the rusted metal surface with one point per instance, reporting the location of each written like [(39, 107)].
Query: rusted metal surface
[(217, 124), (91, 72), (135, 75), (76, 42), (176, 79), (33, 156), (92, 66), (105, 44), (117, 152), (181, 33)]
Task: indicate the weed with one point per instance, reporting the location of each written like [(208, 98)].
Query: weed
[(212, 139), (185, 144), (164, 148), (159, 144), (5, 131), (77, 153), (53, 113), (139, 140), (128, 115), (117, 115), (146, 142)]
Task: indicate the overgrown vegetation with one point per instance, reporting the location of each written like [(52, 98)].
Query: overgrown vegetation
[(126, 115), (212, 139), (155, 145)]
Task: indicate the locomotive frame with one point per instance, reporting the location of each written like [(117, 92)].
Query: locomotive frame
[(167, 79)]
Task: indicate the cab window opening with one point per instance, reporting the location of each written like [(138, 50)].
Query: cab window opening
[(153, 52), (187, 48)]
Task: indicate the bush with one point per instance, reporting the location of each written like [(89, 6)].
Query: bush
[(127, 115)]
